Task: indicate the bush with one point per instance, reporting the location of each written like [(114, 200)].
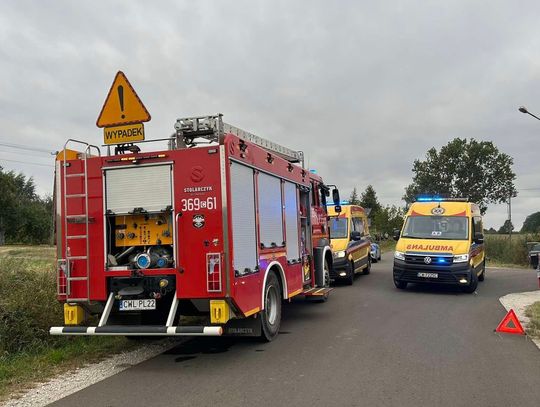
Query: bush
[(28, 305), (504, 250)]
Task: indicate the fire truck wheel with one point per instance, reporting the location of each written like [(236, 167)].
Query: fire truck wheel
[(324, 298), (271, 315)]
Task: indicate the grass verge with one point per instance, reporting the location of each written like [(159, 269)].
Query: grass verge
[(28, 307), (533, 312), (20, 372)]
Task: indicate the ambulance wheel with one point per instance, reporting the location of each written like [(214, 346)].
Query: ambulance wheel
[(473, 283), (271, 314), (349, 280), (482, 276), (400, 284), (367, 270)]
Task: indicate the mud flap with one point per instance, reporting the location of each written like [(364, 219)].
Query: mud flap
[(243, 327)]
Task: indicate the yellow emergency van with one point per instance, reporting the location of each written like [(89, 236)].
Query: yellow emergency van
[(441, 242), (350, 242)]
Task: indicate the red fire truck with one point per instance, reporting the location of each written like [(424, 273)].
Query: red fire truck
[(223, 224)]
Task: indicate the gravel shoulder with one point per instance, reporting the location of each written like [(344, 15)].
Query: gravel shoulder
[(72, 381)]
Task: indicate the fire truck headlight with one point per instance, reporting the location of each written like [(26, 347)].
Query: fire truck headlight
[(339, 254), (163, 283)]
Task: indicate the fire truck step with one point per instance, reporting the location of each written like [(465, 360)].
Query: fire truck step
[(77, 278), (75, 175), (317, 291), (76, 237), (138, 330)]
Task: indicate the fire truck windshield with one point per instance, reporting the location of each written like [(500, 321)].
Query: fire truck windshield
[(338, 228)]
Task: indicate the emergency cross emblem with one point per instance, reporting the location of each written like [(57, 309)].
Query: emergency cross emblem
[(123, 113)]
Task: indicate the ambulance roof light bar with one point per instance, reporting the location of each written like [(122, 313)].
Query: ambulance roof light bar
[(213, 128), (437, 198)]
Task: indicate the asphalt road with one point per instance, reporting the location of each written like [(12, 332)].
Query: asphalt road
[(369, 345)]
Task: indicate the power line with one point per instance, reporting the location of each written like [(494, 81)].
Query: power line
[(21, 147), (27, 162)]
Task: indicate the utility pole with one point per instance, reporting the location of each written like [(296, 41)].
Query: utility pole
[(510, 216)]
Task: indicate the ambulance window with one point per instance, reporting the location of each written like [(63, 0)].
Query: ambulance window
[(338, 228), (358, 225), (477, 226)]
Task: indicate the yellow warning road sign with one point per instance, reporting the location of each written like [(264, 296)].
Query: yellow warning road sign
[(122, 105), (124, 134)]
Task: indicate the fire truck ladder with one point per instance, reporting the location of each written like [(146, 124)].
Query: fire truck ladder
[(81, 218), (212, 128)]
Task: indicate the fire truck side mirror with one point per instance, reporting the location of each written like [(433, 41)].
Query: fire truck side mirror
[(335, 196)]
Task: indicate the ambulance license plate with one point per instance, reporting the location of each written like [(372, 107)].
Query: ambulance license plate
[(428, 275), (137, 305)]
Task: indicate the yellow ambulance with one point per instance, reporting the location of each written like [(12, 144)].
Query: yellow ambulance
[(441, 242), (350, 242)]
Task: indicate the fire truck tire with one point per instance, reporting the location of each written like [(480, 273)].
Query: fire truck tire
[(271, 315), (326, 274)]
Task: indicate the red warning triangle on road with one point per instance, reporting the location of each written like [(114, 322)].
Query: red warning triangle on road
[(505, 325)]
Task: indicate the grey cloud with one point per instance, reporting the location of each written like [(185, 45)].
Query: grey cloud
[(363, 88)]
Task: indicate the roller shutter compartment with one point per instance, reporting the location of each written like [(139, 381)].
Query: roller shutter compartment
[(145, 187), (243, 220)]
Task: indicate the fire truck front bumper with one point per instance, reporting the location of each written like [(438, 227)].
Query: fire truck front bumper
[(139, 330)]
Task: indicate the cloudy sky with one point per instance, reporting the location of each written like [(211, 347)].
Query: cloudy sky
[(363, 87)]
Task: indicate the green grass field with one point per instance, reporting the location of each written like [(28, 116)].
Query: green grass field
[(533, 312), (28, 307)]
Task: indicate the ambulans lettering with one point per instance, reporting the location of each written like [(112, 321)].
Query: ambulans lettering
[(196, 204), (197, 189), (430, 247)]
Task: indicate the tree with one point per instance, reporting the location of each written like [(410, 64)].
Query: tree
[(464, 168), (387, 219), (353, 198), (491, 231), (506, 228), (532, 223), (368, 199), (24, 216)]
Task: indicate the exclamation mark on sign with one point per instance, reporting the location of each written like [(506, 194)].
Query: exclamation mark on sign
[(121, 99)]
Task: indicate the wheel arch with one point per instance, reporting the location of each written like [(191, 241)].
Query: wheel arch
[(280, 273)]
